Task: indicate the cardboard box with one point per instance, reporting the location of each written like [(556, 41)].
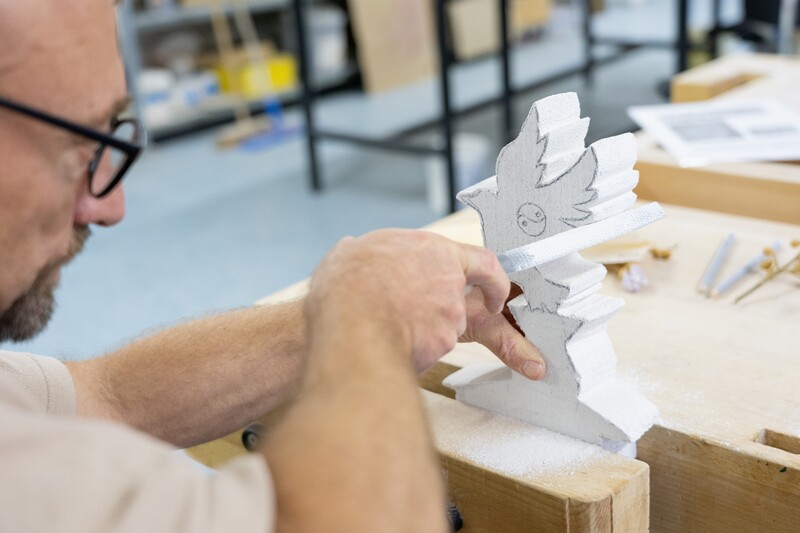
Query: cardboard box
[(201, 3), (395, 40), (475, 24)]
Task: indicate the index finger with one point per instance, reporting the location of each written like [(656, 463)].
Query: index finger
[(482, 269)]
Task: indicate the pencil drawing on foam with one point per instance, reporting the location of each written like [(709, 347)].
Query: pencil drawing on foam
[(547, 184)]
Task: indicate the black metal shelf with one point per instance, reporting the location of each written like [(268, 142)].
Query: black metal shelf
[(136, 25), (398, 142), (170, 16), (210, 117)]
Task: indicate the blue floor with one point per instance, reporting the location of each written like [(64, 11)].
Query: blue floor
[(208, 231)]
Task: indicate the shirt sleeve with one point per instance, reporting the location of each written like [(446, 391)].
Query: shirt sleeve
[(46, 381)]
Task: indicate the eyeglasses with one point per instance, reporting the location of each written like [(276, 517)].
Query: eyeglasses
[(122, 145)]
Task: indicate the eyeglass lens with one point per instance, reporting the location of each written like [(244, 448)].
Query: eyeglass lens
[(110, 160)]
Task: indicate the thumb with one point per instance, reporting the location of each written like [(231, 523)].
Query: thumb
[(497, 334)]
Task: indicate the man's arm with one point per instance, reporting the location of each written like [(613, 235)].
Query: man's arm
[(204, 379), (353, 452), (201, 380)]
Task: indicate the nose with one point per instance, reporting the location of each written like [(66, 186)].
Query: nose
[(105, 211)]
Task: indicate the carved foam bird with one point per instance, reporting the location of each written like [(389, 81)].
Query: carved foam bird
[(557, 183), (551, 198), (548, 182)]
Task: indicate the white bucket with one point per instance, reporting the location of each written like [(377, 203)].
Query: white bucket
[(156, 88), (327, 28)]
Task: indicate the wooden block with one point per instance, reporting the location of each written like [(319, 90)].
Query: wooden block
[(216, 453), (574, 488), (763, 190), (772, 73), (395, 40), (719, 374), (500, 484), (769, 190), (700, 484)]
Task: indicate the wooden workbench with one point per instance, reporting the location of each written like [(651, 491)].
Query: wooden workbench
[(768, 190), (725, 377), (724, 457)]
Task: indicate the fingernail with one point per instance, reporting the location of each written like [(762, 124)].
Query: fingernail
[(533, 369)]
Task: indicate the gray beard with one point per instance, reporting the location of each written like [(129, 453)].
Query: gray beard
[(30, 313)]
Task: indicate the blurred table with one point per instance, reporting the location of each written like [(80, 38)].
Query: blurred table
[(769, 190)]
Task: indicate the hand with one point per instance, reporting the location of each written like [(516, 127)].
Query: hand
[(500, 333), (408, 284)]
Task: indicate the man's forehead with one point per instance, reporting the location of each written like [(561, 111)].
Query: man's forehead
[(69, 68)]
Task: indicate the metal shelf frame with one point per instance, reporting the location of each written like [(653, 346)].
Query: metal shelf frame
[(398, 141), (171, 15), (134, 23)]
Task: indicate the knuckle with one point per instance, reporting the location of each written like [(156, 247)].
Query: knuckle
[(506, 348), (452, 341), (454, 313), (477, 324), (447, 342)]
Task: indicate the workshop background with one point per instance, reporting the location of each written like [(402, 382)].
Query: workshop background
[(221, 209)]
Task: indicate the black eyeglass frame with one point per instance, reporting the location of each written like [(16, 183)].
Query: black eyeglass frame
[(131, 150)]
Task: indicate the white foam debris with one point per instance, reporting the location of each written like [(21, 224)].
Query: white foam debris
[(502, 444)]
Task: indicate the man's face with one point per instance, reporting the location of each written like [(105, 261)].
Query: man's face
[(62, 58)]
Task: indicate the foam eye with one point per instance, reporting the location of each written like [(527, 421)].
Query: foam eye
[(531, 219)]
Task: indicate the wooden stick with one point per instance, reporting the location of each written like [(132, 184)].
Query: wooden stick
[(768, 277), (224, 41), (741, 273)]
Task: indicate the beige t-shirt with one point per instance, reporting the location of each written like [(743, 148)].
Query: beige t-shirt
[(61, 473)]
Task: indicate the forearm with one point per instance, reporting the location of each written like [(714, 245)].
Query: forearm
[(353, 453), (200, 380)]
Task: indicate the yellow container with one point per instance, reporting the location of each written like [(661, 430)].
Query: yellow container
[(227, 79), (254, 80), (276, 74), (282, 72)]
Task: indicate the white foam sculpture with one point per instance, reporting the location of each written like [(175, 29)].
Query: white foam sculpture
[(549, 184)]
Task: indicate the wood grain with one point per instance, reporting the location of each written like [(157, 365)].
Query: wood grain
[(720, 374), (607, 492)]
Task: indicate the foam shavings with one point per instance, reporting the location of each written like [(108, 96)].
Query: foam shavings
[(502, 444)]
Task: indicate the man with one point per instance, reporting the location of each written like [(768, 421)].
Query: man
[(84, 446)]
